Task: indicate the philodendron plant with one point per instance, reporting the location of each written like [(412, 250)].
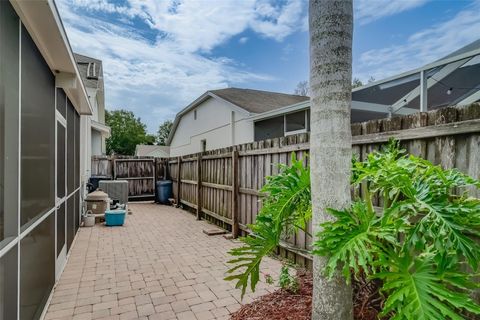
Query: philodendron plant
[(422, 243)]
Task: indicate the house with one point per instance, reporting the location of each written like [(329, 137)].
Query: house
[(143, 150), (91, 71), (452, 80), (43, 102), (222, 118)]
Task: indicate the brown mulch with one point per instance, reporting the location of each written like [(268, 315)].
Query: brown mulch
[(285, 305), (281, 304)]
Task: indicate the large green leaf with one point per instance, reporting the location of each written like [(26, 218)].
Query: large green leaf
[(286, 209), (418, 288), (353, 240)]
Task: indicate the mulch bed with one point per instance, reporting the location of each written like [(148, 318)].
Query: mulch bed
[(285, 305), (281, 304)]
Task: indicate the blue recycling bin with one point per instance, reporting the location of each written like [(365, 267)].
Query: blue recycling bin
[(114, 218), (163, 191)]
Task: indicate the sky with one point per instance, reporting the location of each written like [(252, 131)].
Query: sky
[(160, 55)]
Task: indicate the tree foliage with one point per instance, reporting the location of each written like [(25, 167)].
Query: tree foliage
[(356, 82), (163, 132), (286, 209), (421, 242), (126, 132), (302, 88)]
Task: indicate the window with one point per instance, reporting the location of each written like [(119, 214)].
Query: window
[(9, 94), (203, 145), (92, 71), (295, 122), (269, 128), (194, 114), (38, 134)]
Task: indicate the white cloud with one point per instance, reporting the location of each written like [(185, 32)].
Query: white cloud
[(157, 76), (422, 47), (243, 40), (278, 22), (367, 11)]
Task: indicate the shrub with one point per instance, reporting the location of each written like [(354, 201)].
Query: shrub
[(286, 281), (420, 243), (286, 209)]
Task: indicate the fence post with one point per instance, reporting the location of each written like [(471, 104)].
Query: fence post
[(179, 180), (199, 186), (235, 193)]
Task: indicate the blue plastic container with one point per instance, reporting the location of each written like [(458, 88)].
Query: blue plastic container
[(163, 191), (114, 218)]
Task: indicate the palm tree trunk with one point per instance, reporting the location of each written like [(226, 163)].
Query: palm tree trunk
[(331, 28)]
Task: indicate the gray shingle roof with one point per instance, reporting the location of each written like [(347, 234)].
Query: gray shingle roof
[(152, 150), (257, 101), (82, 63)]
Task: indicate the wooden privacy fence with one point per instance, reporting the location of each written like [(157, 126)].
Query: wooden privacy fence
[(223, 185), (140, 172)]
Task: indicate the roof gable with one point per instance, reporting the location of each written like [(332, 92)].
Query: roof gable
[(257, 101)]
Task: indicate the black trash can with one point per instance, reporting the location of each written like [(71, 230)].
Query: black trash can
[(163, 191), (94, 180)]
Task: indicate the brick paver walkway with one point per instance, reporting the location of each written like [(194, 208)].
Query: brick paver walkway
[(159, 265)]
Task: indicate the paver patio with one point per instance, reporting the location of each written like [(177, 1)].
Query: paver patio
[(159, 265)]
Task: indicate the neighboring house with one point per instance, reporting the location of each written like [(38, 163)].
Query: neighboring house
[(205, 124), (222, 118), (452, 80), (42, 102), (91, 71), (144, 150)]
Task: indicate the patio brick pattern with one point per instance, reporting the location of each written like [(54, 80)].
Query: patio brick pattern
[(159, 265)]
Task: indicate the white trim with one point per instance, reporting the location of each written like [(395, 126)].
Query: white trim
[(10, 244), (291, 133), (35, 224), (432, 65), (437, 76), (470, 99), (101, 127), (42, 20), (60, 118), (380, 108), (423, 92), (277, 112), (19, 200)]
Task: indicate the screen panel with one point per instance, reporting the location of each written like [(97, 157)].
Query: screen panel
[(38, 133), (9, 127), (37, 268)]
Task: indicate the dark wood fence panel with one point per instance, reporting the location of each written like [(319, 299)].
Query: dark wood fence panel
[(140, 174)]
